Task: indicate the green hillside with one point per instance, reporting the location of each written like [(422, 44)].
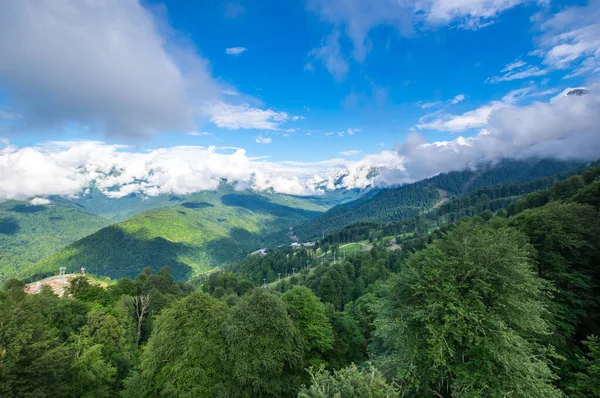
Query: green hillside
[(392, 205), (203, 231), (29, 233)]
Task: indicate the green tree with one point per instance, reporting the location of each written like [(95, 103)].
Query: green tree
[(264, 349), (183, 357), (565, 236), (92, 375), (587, 381), (348, 382), (463, 316), (33, 361), (308, 314)]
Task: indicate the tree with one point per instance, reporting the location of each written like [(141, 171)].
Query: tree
[(184, 355), (92, 375), (142, 306), (587, 380), (565, 236), (308, 313), (33, 362), (264, 349), (463, 317), (348, 382)]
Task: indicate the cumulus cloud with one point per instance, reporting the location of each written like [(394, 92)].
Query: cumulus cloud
[(244, 116), (235, 50), (353, 152), (572, 40), (40, 201), (564, 128), (107, 64)]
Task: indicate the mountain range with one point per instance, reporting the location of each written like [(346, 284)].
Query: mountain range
[(195, 233)]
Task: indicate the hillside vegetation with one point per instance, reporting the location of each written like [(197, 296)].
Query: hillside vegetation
[(490, 305), (198, 233), (391, 205), (29, 233)]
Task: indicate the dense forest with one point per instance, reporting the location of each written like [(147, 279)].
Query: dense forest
[(497, 304), (190, 236), (488, 199), (408, 201)]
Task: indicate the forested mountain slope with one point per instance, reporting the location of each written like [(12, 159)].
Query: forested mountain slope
[(29, 233), (390, 205), (512, 312), (202, 231)]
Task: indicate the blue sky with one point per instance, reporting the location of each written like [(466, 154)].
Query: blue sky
[(434, 65), (297, 81)]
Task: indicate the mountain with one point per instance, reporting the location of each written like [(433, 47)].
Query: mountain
[(29, 232), (192, 235), (392, 205)]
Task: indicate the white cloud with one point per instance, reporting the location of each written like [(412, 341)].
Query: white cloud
[(199, 133), (309, 67), (570, 40), (517, 70), (476, 118), (39, 201), (105, 64), (244, 116), (513, 65), (358, 17), (433, 104), (330, 55), (565, 128), (458, 98), (263, 140), (233, 93), (353, 131), (427, 105), (235, 50), (353, 152)]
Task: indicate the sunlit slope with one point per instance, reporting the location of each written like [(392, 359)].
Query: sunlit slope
[(29, 233), (191, 237)]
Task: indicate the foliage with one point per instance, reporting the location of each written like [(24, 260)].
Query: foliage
[(587, 381), (408, 201), (264, 349), (308, 314), (463, 316), (28, 233), (349, 382), (183, 357), (190, 238)]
